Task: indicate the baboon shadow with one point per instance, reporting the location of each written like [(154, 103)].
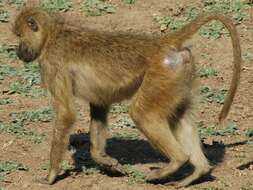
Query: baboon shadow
[(137, 151)]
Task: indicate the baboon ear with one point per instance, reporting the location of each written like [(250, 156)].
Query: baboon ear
[(31, 22)]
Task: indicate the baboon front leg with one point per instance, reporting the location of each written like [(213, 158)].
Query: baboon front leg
[(63, 104), (98, 137), (65, 117)]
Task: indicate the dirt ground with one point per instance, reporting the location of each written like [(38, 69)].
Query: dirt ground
[(226, 152)]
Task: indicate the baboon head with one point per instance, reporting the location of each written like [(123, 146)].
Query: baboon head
[(32, 27)]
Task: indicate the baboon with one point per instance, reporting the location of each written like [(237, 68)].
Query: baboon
[(103, 68)]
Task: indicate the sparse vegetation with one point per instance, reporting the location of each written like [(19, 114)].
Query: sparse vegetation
[(10, 166), (8, 51), (96, 7), (124, 135), (16, 2), (248, 56), (206, 72), (124, 121), (7, 167), (19, 88), (20, 131), (216, 130), (4, 101), (29, 78), (212, 188), (39, 115), (23, 124), (7, 70), (249, 132), (234, 7), (18, 120), (57, 5), (214, 30), (213, 95), (119, 108), (4, 16), (30, 73), (135, 176), (65, 165), (129, 1)]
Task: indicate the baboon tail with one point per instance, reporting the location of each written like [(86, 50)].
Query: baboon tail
[(177, 38)]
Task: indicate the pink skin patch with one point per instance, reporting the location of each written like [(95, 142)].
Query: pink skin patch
[(176, 58)]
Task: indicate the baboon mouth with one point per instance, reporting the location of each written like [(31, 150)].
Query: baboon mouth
[(25, 53)]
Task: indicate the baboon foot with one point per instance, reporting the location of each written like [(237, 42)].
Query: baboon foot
[(159, 174), (110, 163), (49, 180)]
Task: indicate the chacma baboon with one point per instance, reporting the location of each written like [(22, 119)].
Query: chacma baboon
[(104, 68)]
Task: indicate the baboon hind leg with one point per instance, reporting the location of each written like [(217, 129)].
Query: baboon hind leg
[(187, 134), (150, 109), (98, 137)]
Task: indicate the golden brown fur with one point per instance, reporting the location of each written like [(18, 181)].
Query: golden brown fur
[(103, 68)]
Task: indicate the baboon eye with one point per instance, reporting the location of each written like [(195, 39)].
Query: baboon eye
[(32, 24)]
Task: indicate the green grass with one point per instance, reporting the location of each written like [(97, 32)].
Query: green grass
[(247, 187), (25, 89), (135, 176), (126, 136), (119, 108), (8, 51), (10, 166), (4, 16), (40, 115), (214, 30), (249, 132), (215, 130), (248, 56), (65, 165), (96, 7), (18, 120), (16, 2), (7, 167), (206, 72), (19, 88), (175, 22), (212, 188), (57, 5), (213, 95), (5, 101), (129, 1), (234, 7), (28, 81), (7, 70), (168, 22), (124, 121), (20, 131), (30, 73)]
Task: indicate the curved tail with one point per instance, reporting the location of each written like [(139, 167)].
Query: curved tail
[(177, 38)]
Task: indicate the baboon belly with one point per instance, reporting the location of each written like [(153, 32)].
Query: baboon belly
[(103, 89)]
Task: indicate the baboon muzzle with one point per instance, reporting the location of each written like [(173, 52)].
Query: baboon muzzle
[(25, 53)]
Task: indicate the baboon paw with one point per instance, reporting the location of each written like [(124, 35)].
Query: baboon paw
[(182, 184), (155, 175), (111, 164), (44, 181), (171, 183), (119, 168)]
